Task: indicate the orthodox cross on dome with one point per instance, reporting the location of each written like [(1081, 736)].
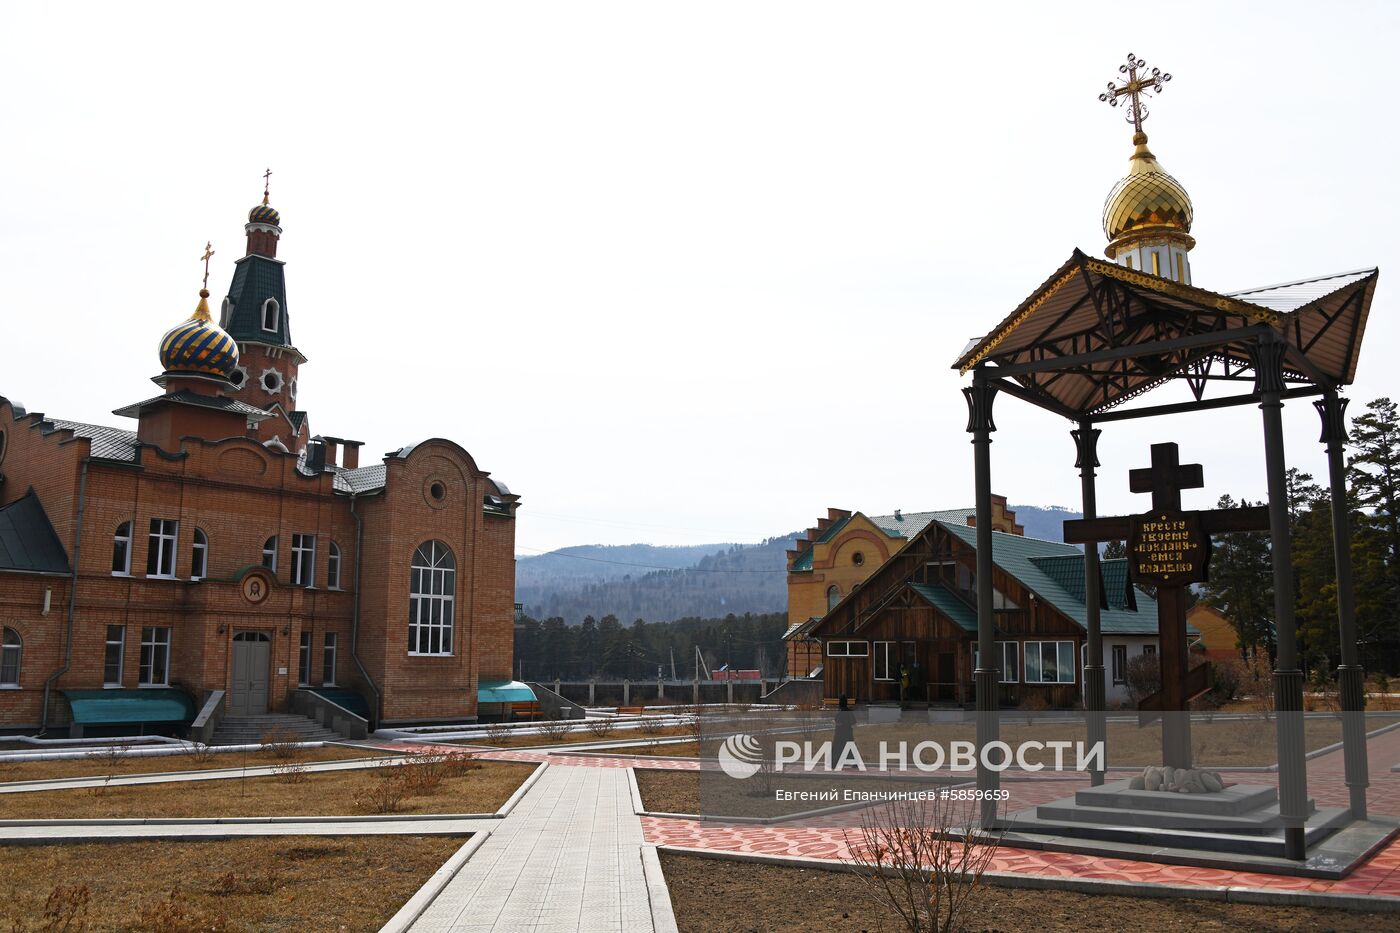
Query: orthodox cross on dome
[(208, 253), (1140, 83), (268, 174)]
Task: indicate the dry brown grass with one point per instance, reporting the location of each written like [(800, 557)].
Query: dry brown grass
[(96, 767), (332, 793), (585, 734), (286, 883)]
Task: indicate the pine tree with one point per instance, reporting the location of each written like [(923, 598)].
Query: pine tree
[(1241, 583), (1374, 476)]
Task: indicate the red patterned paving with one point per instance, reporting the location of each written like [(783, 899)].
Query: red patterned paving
[(1379, 876)]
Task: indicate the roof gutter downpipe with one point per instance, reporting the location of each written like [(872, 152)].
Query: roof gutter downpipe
[(72, 598), (375, 710)]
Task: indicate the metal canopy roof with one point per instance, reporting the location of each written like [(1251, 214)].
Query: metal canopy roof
[(1096, 334)]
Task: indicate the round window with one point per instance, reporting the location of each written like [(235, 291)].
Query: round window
[(438, 491), (858, 558), (238, 376), (271, 380)]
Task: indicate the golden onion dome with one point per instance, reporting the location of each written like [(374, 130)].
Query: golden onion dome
[(1147, 200), (199, 345)]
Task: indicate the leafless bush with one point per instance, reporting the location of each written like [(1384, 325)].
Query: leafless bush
[(497, 733), (282, 743), (230, 884), (382, 796), (555, 730), (66, 909), (651, 725), (112, 758), (601, 728), (922, 859), (202, 754), (290, 772), (173, 915)]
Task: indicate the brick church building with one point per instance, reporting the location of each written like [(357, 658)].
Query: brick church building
[(221, 546)]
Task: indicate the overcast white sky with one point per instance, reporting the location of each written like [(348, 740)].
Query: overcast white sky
[(675, 273)]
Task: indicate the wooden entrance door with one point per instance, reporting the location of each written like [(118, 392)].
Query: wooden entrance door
[(252, 652)]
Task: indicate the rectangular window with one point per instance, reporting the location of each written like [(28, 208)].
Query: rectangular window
[(1149, 650), (303, 560), (155, 656), (886, 660), (328, 661), (304, 660), (121, 550), (847, 649), (116, 653), (1120, 664), (199, 556), (160, 556), (333, 567), (1008, 657), (1050, 662)]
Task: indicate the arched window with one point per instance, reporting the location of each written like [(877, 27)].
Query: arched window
[(272, 314), (10, 651), (833, 596), (199, 557), (333, 567), (432, 586), (121, 550), (270, 553)]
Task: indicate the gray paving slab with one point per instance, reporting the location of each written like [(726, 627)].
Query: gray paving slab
[(567, 858)]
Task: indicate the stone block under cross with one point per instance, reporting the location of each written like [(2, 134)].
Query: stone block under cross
[(1170, 548)]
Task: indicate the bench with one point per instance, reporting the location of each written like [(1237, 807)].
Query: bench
[(526, 710), (629, 711), (830, 703)]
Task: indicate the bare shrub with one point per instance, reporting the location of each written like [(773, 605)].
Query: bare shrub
[(282, 743), (555, 730), (172, 915), (922, 859), (290, 772), (203, 754), (1142, 677), (112, 758), (383, 796), (231, 885), (1382, 685), (497, 733), (651, 725), (600, 728), (1034, 702), (66, 909)]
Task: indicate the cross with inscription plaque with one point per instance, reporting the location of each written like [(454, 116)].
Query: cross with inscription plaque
[(1169, 548)]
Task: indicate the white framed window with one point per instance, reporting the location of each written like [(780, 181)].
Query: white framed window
[(11, 653), (155, 656), (114, 659), (199, 555), (1008, 658), (886, 660), (304, 660), (328, 660), (1050, 662), (121, 550), (833, 596), (1120, 664), (432, 596), (160, 550), (271, 315), (333, 567), (847, 649), (270, 553), (303, 560)]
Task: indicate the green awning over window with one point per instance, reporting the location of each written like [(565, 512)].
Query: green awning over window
[(97, 707), (503, 691)]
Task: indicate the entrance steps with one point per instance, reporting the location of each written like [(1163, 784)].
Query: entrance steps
[(253, 730)]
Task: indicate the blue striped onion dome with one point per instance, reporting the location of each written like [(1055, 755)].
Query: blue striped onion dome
[(264, 213), (199, 345)]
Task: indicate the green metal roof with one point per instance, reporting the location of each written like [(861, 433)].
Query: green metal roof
[(1047, 568), (113, 706), (28, 542), (504, 691), (256, 279), (804, 560), (908, 524), (946, 602), (347, 699)]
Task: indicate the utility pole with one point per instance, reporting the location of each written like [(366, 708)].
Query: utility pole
[(672, 649)]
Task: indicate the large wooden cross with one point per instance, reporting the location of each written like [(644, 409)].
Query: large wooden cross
[(1170, 548)]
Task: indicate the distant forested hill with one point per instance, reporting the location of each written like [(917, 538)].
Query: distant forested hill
[(659, 584)]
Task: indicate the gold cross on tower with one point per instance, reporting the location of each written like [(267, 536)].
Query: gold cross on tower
[(208, 252), (1136, 87)]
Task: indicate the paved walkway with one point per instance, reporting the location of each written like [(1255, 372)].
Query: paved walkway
[(211, 774), (42, 831), (567, 858)]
